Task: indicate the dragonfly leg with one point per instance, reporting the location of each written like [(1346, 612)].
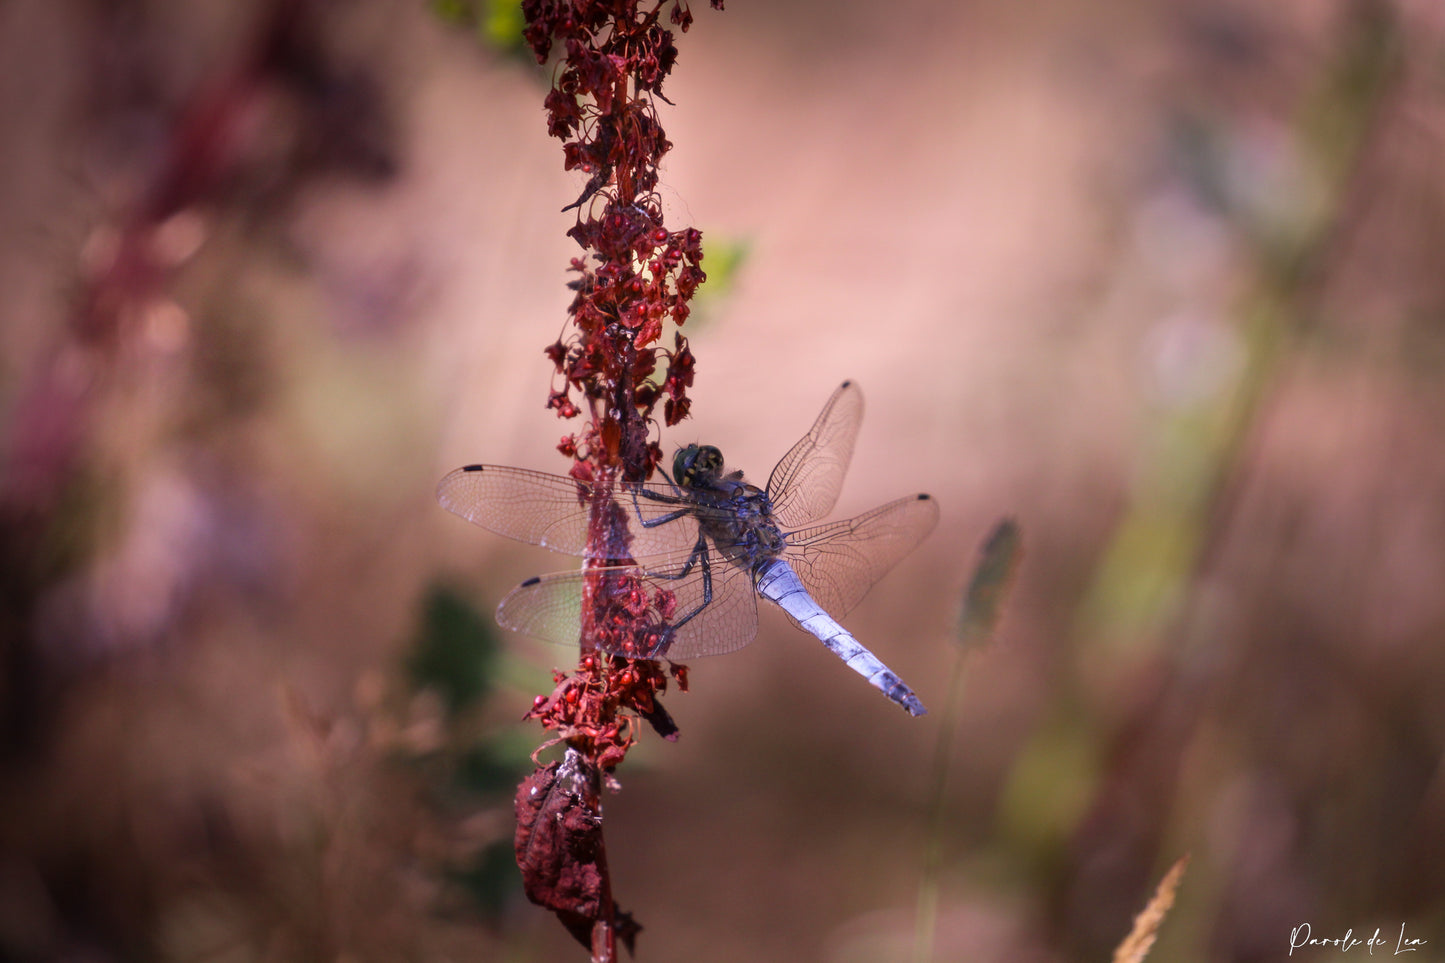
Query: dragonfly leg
[(677, 489), (657, 497), (700, 556)]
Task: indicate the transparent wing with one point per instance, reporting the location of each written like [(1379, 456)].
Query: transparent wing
[(547, 607), (726, 624), (804, 486), (840, 561), (645, 607), (556, 511)]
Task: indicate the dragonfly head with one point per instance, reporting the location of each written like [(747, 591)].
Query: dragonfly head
[(694, 461)]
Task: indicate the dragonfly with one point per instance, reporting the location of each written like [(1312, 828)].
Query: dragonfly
[(683, 560)]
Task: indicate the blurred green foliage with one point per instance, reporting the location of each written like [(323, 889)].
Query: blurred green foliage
[(491, 880), (455, 651), (725, 258), (498, 23), (456, 654), (1053, 780), (489, 769)]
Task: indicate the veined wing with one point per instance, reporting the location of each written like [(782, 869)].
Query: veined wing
[(646, 607), (804, 486), (840, 561), (557, 512)]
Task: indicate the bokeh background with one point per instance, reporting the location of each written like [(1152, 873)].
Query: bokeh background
[(1162, 281)]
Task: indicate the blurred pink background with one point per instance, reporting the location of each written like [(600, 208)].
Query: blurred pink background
[(1157, 280)]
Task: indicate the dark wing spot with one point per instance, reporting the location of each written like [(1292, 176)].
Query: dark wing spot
[(472, 467), (846, 383), (531, 581), (924, 498)]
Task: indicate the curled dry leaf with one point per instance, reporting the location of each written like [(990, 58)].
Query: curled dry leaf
[(560, 850)]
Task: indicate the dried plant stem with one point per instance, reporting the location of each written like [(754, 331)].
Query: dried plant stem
[(635, 275), (983, 602), (926, 913)]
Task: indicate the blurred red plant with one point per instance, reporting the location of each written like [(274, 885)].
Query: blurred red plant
[(124, 312), (636, 275)]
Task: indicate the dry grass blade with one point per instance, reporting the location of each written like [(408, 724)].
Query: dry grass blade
[(1137, 944)]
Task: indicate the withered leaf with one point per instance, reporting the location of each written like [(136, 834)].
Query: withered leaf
[(660, 720), (559, 837), (559, 847)]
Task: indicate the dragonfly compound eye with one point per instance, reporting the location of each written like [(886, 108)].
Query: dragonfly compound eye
[(694, 460), (682, 464)]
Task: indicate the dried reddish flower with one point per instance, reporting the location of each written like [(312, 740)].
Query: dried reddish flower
[(638, 274), (635, 276)]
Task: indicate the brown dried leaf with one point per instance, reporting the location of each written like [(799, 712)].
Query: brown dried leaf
[(559, 838), (559, 848)]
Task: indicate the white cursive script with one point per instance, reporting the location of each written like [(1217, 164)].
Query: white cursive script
[(1302, 936)]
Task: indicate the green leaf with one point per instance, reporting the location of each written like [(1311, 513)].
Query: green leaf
[(501, 23)]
